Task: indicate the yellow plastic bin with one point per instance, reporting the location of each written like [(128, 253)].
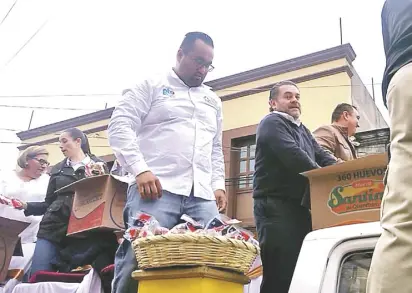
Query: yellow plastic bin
[(190, 280)]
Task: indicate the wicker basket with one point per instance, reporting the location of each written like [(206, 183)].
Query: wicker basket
[(193, 250)]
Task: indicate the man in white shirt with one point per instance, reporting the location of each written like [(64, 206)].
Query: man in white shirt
[(167, 132)]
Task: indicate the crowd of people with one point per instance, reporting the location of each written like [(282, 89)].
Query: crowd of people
[(185, 176), (166, 134)]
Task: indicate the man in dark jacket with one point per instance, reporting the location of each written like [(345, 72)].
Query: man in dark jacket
[(391, 263), (284, 149)]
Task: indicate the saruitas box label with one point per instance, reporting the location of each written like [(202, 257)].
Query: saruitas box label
[(348, 192)]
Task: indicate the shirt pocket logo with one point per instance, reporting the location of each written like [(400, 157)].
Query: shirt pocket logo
[(168, 92), (210, 101)]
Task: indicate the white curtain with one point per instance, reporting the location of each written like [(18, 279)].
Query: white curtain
[(90, 284)]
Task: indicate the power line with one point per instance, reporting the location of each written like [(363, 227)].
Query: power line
[(26, 43), (8, 12), (58, 95), (10, 129), (48, 108), (42, 132), (53, 144), (222, 90)]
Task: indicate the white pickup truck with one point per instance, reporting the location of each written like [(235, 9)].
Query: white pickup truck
[(336, 260), (333, 260)]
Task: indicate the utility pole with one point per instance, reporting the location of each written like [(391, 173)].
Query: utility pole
[(31, 119), (340, 29), (377, 112)]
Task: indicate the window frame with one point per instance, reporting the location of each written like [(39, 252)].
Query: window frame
[(332, 274), (247, 176), (345, 259)]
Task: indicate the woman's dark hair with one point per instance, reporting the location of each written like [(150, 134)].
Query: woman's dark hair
[(76, 133)]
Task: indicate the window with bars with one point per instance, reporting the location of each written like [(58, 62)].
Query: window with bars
[(246, 165)]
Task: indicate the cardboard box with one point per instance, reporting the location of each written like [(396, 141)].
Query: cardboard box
[(9, 243), (98, 204), (348, 192)]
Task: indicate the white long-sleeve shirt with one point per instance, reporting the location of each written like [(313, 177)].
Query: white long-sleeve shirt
[(12, 186), (163, 126)]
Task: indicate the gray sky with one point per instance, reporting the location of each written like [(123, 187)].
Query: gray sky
[(90, 47)]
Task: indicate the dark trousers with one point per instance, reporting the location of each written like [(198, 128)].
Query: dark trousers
[(281, 225)]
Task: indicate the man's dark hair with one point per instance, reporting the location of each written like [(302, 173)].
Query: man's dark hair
[(190, 39), (343, 107), (274, 91)]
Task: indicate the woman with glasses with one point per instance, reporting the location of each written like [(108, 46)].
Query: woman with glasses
[(28, 183), (78, 164)]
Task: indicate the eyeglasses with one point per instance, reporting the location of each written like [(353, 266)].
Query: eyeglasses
[(42, 162), (201, 63)]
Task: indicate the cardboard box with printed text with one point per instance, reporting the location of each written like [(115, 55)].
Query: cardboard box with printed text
[(98, 204), (10, 244), (348, 192)]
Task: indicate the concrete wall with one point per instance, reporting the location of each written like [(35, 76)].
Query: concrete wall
[(371, 117)]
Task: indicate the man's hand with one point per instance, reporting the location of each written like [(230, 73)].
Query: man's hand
[(221, 200), (119, 236), (148, 185)]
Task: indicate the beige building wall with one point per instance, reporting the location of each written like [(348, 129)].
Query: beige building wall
[(318, 97), (284, 76)]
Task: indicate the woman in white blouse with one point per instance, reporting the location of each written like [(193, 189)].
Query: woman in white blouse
[(28, 183)]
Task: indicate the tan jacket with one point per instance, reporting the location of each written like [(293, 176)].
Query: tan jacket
[(335, 140)]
